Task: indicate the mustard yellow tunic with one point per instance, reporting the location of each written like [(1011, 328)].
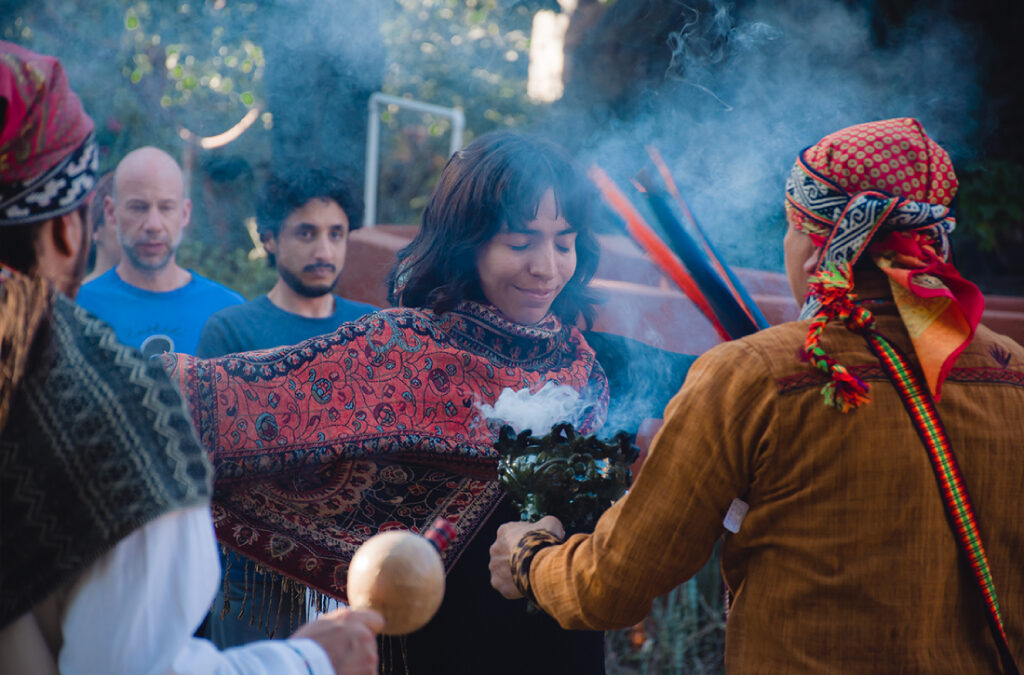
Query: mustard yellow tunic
[(846, 561)]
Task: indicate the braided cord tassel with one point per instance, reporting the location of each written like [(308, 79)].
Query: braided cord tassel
[(832, 285)]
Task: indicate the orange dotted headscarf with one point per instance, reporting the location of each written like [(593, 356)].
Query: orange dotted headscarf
[(884, 188)]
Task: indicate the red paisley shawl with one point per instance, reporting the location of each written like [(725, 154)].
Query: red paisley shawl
[(318, 446)]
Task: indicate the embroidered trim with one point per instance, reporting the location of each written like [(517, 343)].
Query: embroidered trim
[(522, 557), (798, 381), (58, 190)]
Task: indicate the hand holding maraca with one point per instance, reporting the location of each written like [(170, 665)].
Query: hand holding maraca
[(400, 575)]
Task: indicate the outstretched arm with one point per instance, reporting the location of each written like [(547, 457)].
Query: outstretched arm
[(665, 528), (135, 610)]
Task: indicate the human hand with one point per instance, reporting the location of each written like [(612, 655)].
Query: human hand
[(349, 638), (509, 535)]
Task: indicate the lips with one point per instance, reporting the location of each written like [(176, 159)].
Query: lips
[(539, 295), (321, 270), (151, 247)]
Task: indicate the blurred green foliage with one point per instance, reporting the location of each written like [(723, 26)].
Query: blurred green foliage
[(467, 54), (989, 239), (146, 71), (991, 203), (233, 267), (471, 54), (684, 634)]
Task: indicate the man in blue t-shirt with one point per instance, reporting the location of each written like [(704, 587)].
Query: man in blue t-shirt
[(304, 219), (149, 300)]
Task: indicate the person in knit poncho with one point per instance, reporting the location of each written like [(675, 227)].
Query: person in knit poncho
[(107, 556)]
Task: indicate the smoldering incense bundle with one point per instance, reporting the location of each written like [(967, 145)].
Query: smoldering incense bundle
[(564, 474)]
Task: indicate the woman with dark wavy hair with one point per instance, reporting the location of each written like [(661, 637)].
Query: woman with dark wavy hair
[(489, 197), (507, 227), (318, 446)]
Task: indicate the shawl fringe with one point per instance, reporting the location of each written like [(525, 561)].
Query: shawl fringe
[(24, 302)]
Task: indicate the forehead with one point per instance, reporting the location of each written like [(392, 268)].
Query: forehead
[(549, 218), (319, 211), (149, 180)]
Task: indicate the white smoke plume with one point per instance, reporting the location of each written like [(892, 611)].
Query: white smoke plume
[(523, 410)]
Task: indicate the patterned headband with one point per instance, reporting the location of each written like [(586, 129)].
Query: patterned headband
[(884, 188), (48, 155), (58, 190)]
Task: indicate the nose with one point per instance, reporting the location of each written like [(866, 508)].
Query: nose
[(544, 262), (153, 221), (322, 247)]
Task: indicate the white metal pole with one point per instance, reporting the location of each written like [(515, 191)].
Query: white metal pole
[(373, 142)]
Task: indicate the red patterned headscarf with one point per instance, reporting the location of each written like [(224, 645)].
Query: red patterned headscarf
[(48, 158), (884, 188)]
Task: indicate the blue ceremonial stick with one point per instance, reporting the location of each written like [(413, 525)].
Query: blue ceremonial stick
[(737, 288), (726, 306), (752, 310)]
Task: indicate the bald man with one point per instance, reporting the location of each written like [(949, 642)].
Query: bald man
[(150, 301)]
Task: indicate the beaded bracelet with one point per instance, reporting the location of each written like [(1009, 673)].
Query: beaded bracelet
[(522, 557)]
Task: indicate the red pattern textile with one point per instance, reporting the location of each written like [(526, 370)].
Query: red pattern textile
[(44, 121), (318, 446)]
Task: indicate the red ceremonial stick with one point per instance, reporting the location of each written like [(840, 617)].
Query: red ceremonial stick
[(659, 253)]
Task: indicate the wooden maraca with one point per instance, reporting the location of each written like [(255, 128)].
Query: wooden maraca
[(400, 575)]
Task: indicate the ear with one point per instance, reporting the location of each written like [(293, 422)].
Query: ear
[(269, 242), (110, 211), (61, 251), (186, 212), (66, 235), (811, 264)]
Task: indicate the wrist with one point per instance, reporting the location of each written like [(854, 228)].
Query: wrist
[(520, 561)]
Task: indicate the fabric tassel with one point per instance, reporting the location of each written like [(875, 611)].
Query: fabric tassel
[(832, 285), (225, 586), (845, 391), (319, 602), (246, 594), (261, 608), (256, 618), (277, 614)]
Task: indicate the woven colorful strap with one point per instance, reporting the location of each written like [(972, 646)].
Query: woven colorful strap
[(919, 404)]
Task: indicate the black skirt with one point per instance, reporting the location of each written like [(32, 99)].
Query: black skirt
[(477, 631)]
